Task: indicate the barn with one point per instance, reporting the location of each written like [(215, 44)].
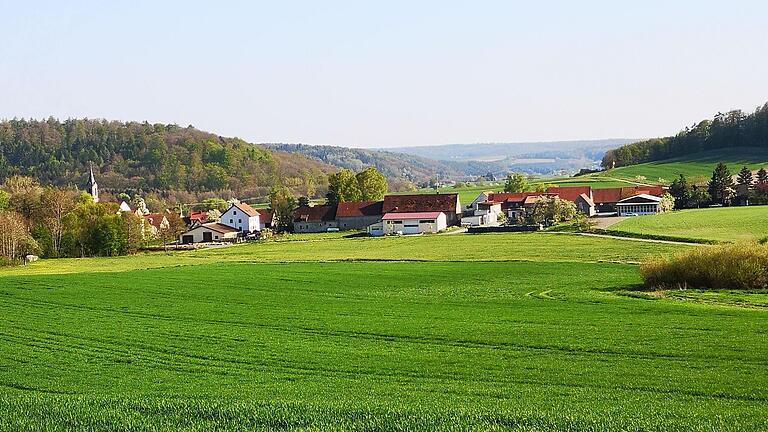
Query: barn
[(209, 232)]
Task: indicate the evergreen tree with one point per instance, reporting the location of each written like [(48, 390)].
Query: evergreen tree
[(681, 191), (762, 177), (720, 185), (745, 177)]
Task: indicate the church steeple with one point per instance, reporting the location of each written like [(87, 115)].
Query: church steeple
[(92, 186)]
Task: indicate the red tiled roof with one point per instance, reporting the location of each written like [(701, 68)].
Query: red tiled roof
[(570, 193), (245, 208), (154, 219), (446, 203), (198, 215), (414, 215), (614, 195), (512, 196), (265, 215), (603, 196), (359, 208), (319, 213)]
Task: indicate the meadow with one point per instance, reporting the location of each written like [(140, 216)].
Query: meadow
[(725, 224), (526, 332), (697, 167)]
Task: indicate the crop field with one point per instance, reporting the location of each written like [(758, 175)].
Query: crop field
[(697, 167), (727, 224), (526, 332)]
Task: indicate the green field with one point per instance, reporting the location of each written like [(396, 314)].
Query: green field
[(728, 224), (697, 167), (527, 332)]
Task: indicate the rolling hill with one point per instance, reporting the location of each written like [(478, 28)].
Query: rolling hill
[(697, 167)]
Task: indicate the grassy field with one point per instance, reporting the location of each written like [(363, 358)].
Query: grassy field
[(727, 224), (697, 167), (526, 332)]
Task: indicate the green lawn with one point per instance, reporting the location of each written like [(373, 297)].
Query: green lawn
[(697, 167), (527, 332), (722, 224)]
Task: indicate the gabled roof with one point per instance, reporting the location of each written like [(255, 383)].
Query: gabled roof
[(501, 197), (640, 198), (446, 203), (604, 196), (414, 215), (570, 193), (318, 213), (154, 219), (587, 200), (245, 208), (359, 208), (614, 195), (215, 226), (265, 215)]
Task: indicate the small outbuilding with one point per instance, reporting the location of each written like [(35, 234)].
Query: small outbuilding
[(410, 223), (209, 232)]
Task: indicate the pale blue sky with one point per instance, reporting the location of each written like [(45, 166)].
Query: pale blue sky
[(370, 74)]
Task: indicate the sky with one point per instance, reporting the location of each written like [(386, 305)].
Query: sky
[(387, 74)]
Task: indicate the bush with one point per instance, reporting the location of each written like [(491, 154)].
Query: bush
[(732, 266)]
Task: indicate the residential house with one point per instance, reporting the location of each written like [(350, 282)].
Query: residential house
[(409, 223), (357, 215), (196, 218), (210, 232), (313, 219), (485, 213), (153, 223), (241, 217)]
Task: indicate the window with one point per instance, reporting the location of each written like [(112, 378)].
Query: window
[(426, 221), (231, 221), (239, 221), (234, 212), (399, 222)]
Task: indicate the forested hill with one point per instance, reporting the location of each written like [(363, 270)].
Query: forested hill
[(730, 130), (395, 165), (136, 155)]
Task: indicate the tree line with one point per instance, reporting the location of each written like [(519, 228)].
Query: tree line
[(721, 189), (55, 222), (150, 157), (725, 130)]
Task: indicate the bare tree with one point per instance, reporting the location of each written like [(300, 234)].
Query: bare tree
[(15, 240)]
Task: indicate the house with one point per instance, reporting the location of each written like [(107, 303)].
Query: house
[(642, 204), (241, 217), (357, 215), (124, 208), (153, 223), (319, 218), (196, 218), (516, 204), (265, 218), (429, 203), (410, 223), (485, 213), (209, 232)]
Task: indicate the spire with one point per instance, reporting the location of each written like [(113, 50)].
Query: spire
[(93, 187)]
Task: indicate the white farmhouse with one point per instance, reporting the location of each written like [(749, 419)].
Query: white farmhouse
[(241, 217)]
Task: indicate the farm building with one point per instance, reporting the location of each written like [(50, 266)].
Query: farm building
[(355, 215), (265, 218), (410, 223), (314, 219), (643, 204), (241, 217), (153, 223), (606, 200), (484, 213), (429, 203), (209, 232)]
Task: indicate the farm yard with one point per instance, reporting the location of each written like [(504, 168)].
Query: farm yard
[(537, 331)]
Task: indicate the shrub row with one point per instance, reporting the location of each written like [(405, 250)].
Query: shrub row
[(728, 266), (652, 236)]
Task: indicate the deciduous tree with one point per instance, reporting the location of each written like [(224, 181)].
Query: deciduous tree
[(515, 182)]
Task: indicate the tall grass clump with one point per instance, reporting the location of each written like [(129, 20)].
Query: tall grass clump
[(735, 266)]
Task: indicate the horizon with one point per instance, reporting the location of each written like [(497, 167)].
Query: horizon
[(404, 75)]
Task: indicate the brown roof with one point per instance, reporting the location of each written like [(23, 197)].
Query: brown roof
[(154, 219), (614, 195), (245, 208), (318, 213), (265, 215), (570, 193), (359, 208), (215, 226), (421, 203), (512, 196)]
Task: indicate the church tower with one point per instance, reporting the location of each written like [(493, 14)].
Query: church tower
[(92, 186)]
